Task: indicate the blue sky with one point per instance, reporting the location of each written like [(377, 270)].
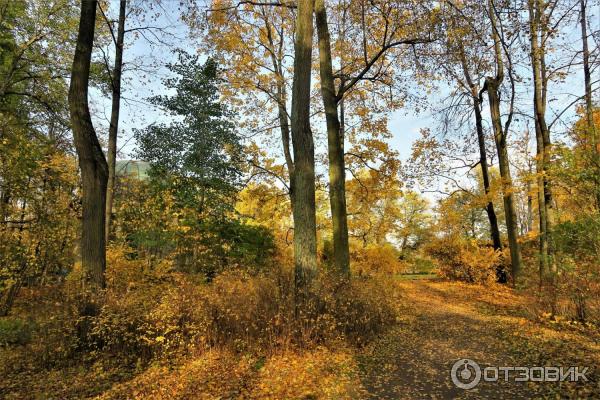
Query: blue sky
[(139, 84)]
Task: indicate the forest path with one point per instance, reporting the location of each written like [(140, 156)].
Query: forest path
[(443, 322)]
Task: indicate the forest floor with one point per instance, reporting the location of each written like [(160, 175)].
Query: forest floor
[(443, 322), (439, 323)]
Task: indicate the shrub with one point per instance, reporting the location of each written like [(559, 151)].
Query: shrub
[(577, 256), (377, 259), (14, 331), (260, 310), (465, 260), (153, 312)]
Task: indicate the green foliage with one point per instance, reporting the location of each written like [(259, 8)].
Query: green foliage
[(197, 154), (38, 180), (577, 245), (156, 226), (187, 206), (36, 45), (579, 238), (14, 331)]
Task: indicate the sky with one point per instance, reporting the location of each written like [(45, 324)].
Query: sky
[(144, 70), (136, 112)]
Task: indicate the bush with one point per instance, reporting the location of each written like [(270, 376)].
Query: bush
[(14, 331), (577, 256), (154, 313), (377, 259), (464, 260)]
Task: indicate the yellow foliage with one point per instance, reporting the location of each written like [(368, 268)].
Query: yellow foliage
[(465, 260), (377, 259), (317, 374)]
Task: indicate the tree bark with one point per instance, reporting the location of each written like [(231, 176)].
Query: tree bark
[(492, 85), (305, 227), (542, 208), (538, 34), (337, 178), (491, 213), (94, 169), (114, 116), (507, 189), (489, 208), (589, 110)]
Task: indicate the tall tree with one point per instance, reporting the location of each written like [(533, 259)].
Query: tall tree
[(473, 88), (335, 145), (367, 62), (114, 114), (94, 169), (471, 61), (538, 37), (492, 86), (303, 190), (254, 41), (589, 110)]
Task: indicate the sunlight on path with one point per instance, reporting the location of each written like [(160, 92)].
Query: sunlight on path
[(442, 322)]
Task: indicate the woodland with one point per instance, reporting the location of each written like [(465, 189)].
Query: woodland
[(297, 199)]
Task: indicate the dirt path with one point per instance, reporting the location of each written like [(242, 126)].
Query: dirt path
[(443, 322)]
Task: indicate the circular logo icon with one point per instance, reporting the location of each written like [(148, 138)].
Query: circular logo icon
[(465, 373)]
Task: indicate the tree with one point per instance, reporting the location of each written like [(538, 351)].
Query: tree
[(492, 86), (94, 169), (374, 192), (589, 110), (303, 189), (398, 31), (114, 114), (539, 36), (199, 152), (195, 174), (465, 67), (335, 146), (38, 178), (254, 41)]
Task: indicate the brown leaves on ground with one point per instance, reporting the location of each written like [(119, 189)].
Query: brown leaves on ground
[(438, 323)]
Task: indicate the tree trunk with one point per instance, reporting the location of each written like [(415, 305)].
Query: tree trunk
[(337, 179), (285, 134), (94, 170), (589, 110), (507, 189), (493, 88), (542, 209), (8, 297), (538, 34), (489, 208), (114, 116), (277, 56), (491, 213), (305, 227)]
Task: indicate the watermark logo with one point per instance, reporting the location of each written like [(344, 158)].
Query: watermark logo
[(466, 374)]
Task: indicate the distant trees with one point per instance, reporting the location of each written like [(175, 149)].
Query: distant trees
[(39, 201)]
